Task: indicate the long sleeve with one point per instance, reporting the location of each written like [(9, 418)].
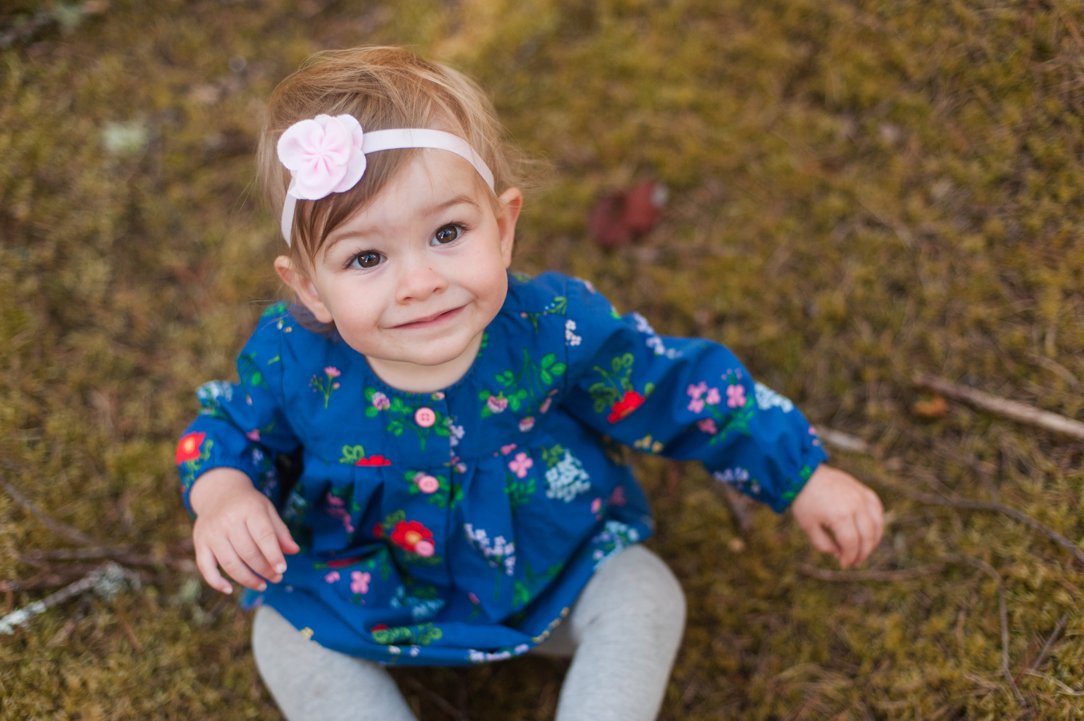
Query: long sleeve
[(242, 425), (683, 398)]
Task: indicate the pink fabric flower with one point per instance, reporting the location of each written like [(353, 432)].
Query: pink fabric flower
[(735, 396), (695, 391), (380, 401), (332, 577), (359, 582), (520, 464), (497, 404), (707, 425), (426, 483), (713, 397), (526, 424), (332, 372), (425, 549), (696, 405), (323, 154)]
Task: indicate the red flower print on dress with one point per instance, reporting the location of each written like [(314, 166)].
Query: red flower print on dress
[(413, 537), (628, 403), (188, 447), (372, 461)]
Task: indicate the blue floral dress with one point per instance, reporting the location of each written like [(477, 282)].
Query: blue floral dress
[(460, 526)]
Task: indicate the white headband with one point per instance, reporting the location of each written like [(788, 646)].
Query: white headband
[(326, 155)]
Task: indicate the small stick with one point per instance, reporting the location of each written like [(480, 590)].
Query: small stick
[(61, 529), (872, 574), (1012, 410), (1045, 651), (843, 441), (105, 579)]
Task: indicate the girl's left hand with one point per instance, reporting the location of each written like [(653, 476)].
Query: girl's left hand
[(840, 515)]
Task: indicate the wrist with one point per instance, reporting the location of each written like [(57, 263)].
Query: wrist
[(212, 488)]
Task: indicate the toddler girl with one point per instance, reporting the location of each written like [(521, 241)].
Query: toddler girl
[(457, 494)]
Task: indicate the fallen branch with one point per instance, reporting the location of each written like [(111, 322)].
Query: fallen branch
[(1012, 410), (972, 504), (858, 576), (854, 444), (106, 580), (60, 529), (1049, 644)]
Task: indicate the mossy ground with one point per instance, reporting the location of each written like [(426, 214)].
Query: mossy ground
[(860, 191)]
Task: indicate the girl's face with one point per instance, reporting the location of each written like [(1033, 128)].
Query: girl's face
[(412, 281)]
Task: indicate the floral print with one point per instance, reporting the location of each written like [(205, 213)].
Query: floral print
[(411, 553)]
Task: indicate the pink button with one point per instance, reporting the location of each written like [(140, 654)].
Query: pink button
[(425, 417)]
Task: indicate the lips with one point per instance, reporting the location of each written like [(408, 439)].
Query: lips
[(430, 319)]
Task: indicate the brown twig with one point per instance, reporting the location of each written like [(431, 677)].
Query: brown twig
[(1049, 644), (860, 446), (1013, 410), (913, 573), (871, 574), (972, 504), (60, 529)]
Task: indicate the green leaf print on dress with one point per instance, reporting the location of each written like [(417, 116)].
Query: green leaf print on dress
[(524, 390), (403, 417), (615, 391)]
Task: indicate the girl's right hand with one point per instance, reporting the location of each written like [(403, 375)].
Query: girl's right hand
[(238, 529)]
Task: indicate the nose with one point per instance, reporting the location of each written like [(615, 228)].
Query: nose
[(418, 280)]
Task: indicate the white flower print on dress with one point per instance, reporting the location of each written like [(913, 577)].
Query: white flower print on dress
[(499, 552), (654, 341), (571, 339), (767, 399), (567, 479)]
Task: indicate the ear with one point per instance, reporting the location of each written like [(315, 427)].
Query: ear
[(511, 202), (304, 288)]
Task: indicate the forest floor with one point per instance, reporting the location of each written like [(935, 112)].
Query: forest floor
[(860, 194)]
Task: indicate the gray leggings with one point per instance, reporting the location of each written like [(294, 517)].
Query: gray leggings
[(622, 635)]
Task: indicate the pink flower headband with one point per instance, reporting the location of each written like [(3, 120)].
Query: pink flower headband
[(326, 155)]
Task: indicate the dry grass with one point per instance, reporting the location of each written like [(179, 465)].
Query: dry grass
[(860, 192)]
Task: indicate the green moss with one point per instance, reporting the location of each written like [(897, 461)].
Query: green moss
[(859, 193)]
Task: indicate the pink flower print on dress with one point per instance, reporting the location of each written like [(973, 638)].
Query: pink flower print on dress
[(520, 464), (713, 397), (735, 396), (324, 155), (253, 435), (707, 425), (545, 406), (359, 581), (526, 424), (425, 549), (426, 483), (695, 391), (505, 450), (696, 405), (380, 401), (497, 404), (332, 577)]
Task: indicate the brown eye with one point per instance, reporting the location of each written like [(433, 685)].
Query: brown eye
[(368, 259), (447, 233)]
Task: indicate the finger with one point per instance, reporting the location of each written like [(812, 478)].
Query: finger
[(208, 568), (849, 541), (249, 552), (271, 561), (822, 540), (285, 540), (869, 533), (877, 512), (233, 565)]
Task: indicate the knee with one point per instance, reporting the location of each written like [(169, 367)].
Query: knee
[(641, 589)]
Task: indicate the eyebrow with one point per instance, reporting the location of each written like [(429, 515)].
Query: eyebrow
[(461, 199)]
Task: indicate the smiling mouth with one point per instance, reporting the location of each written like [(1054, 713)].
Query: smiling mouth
[(430, 320)]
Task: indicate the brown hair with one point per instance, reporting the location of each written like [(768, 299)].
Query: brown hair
[(383, 87)]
